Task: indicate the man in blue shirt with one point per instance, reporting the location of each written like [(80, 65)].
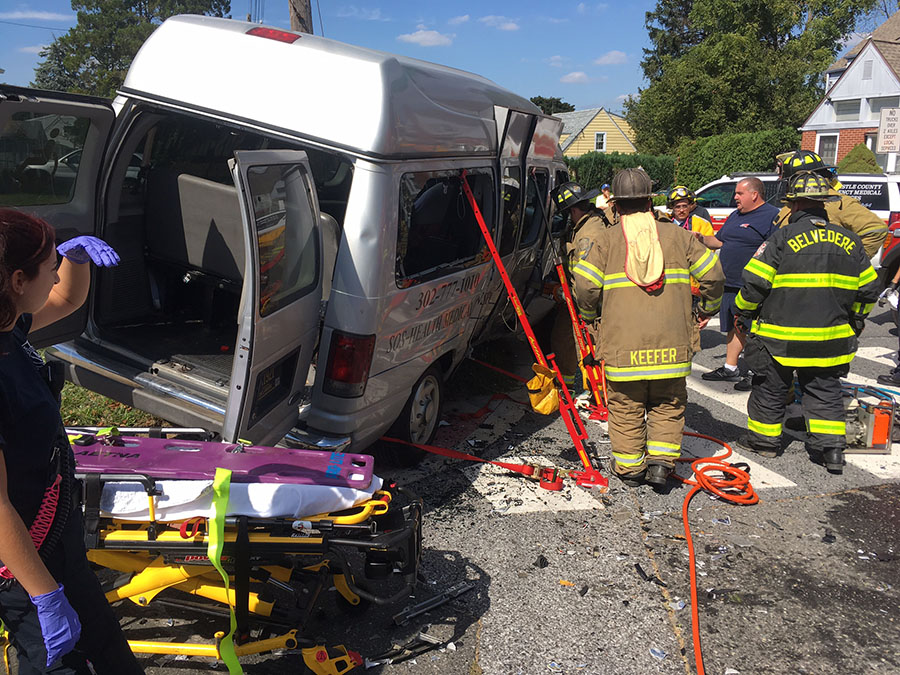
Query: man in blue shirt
[(745, 229)]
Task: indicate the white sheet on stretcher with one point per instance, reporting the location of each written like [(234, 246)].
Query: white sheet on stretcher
[(182, 499)]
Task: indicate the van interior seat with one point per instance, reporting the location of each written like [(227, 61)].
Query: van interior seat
[(195, 223)]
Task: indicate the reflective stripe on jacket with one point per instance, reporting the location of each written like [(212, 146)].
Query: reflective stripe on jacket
[(805, 287)]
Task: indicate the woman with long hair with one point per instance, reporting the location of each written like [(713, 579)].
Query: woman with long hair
[(50, 600)]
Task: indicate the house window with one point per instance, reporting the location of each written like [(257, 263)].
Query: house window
[(826, 147), (872, 144), (600, 141), (876, 104), (867, 70), (846, 111)]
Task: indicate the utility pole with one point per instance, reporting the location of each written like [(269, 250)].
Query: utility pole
[(301, 16)]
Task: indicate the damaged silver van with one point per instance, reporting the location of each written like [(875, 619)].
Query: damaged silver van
[(292, 231)]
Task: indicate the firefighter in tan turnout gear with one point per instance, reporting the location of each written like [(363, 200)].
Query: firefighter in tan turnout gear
[(842, 210), (642, 271), (586, 221), (808, 290)]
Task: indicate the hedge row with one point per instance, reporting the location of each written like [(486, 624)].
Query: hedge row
[(593, 169), (705, 159)]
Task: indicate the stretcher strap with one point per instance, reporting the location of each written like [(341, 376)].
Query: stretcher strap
[(242, 580), (221, 488)]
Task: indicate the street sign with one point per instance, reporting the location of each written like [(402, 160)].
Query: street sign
[(889, 131)]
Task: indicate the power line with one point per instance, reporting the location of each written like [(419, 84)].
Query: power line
[(319, 10), (28, 25)]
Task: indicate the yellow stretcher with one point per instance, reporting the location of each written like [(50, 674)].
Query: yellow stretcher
[(277, 567)]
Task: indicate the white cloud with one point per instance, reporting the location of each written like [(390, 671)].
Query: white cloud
[(354, 12), (31, 15), (587, 8), (36, 49), (499, 22), (611, 58), (427, 38), (577, 77), (556, 61), (456, 20)]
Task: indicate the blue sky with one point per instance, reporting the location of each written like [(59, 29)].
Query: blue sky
[(587, 53)]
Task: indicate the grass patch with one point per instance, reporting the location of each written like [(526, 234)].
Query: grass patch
[(86, 408)]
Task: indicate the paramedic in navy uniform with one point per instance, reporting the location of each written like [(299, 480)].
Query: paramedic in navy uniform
[(54, 608)]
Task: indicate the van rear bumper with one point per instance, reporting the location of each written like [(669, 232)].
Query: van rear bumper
[(305, 439)]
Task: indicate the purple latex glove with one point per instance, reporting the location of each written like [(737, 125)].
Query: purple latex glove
[(59, 623), (86, 248)]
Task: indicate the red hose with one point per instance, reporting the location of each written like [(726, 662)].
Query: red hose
[(730, 484)]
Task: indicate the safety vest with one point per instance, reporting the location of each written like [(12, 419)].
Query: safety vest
[(803, 286), (646, 336)]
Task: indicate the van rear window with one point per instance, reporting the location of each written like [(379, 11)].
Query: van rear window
[(872, 195), (437, 232)]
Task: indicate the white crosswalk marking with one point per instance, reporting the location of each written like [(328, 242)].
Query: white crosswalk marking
[(761, 476), (882, 355), (883, 466)]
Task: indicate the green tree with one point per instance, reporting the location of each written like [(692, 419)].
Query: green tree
[(758, 66), (94, 55), (859, 160), (671, 34), (551, 105)]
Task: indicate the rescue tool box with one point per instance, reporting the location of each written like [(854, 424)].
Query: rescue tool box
[(292, 232)]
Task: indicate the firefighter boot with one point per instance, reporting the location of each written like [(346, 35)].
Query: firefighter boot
[(657, 474), (834, 460)]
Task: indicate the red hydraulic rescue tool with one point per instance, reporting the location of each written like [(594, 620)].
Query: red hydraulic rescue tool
[(589, 477)]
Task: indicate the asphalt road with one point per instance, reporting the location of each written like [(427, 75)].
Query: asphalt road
[(578, 581)]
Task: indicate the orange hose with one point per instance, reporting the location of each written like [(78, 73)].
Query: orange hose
[(733, 485)]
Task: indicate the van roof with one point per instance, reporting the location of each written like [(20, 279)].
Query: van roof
[(366, 101)]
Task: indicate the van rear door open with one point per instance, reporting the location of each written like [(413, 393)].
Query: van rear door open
[(51, 156), (281, 297)]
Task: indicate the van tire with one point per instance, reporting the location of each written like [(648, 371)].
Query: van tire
[(419, 421)]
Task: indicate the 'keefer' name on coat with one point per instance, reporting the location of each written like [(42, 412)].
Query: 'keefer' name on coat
[(649, 357)]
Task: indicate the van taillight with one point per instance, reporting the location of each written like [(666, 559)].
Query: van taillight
[(272, 34), (893, 235), (349, 360)]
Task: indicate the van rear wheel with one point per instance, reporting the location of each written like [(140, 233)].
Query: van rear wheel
[(419, 420)]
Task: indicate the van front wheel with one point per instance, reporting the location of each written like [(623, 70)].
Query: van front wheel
[(419, 420)]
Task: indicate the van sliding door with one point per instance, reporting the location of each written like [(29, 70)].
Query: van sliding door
[(281, 297)]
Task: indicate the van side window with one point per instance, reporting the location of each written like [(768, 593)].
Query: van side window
[(437, 232), (286, 235), (535, 207), (39, 158), (511, 207)]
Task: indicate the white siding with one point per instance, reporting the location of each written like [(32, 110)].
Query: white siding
[(852, 86)]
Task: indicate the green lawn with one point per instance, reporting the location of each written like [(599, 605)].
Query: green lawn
[(85, 408)]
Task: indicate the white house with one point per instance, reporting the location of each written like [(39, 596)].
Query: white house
[(858, 86)]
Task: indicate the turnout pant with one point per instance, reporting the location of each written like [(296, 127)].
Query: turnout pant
[(102, 641), (646, 421), (823, 406)]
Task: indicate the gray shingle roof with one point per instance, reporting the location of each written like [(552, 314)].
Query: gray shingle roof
[(889, 31), (574, 123)]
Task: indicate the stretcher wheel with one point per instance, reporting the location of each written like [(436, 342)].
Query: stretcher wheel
[(419, 420)]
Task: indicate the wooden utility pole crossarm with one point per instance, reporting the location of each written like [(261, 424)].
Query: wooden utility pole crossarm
[(301, 16)]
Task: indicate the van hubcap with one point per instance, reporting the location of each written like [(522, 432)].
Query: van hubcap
[(423, 414)]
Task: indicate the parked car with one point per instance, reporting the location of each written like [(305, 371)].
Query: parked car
[(59, 174), (300, 245), (878, 192)]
